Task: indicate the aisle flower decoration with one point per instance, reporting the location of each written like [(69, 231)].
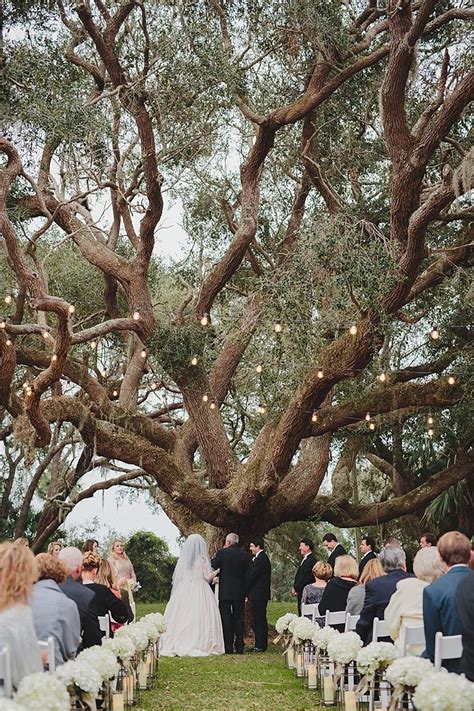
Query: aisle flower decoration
[(303, 630), (404, 674), (42, 691), (102, 659), (81, 679), (376, 657), (344, 647), (283, 622), (158, 620), (122, 647), (323, 635), (10, 705), (442, 690), (136, 634)]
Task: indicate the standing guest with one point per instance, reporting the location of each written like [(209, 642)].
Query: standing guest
[(406, 603), (258, 591), (105, 577), (313, 592), (355, 600), (54, 548), (107, 602), (346, 572), (54, 614), (427, 540), (379, 591), (22, 542), (367, 548), (91, 545), (121, 564), (392, 541), (232, 563), (335, 548), (304, 574), (85, 599), (18, 571), (465, 609), (439, 598)]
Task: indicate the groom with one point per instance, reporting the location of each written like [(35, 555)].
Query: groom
[(232, 563)]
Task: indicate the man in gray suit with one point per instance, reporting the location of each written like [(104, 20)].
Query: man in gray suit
[(82, 596)]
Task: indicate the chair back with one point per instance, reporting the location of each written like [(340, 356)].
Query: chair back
[(310, 610), (379, 629), (449, 647), (104, 624), (411, 635), (335, 618), (49, 646), (351, 622), (6, 686)]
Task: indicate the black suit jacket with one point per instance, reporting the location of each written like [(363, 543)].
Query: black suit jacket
[(108, 603), (233, 563), (377, 596), (87, 606), (365, 559), (304, 574), (338, 550), (259, 575), (465, 608)]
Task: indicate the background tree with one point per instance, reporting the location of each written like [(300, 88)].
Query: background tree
[(319, 152), (153, 563)]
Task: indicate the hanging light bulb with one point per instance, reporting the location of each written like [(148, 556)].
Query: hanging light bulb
[(45, 334), (136, 315), (28, 391), (320, 374), (314, 417), (212, 405), (194, 360), (204, 319), (278, 328), (259, 368), (451, 380), (353, 330), (71, 309), (435, 333), (205, 398), (153, 386), (430, 420), (367, 417), (261, 409), (430, 432), (93, 345), (8, 299), (143, 353), (8, 342), (382, 377), (115, 393), (54, 358), (372, 426), (2, 324)]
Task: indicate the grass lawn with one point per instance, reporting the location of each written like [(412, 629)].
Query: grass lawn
[(231, 683)]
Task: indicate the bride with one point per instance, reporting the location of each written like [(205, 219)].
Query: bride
[(193, 622)]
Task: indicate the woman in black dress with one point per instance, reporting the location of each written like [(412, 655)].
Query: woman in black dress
[(334, 598), (107, 602)]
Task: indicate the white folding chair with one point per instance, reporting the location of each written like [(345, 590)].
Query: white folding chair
[(6, 686), (49, 646), (379, 629), (310, 610), (449, 647), (104, 624), (351, 622), (410, 635), (335, 618)]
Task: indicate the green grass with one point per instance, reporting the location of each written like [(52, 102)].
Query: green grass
[(229, 683)]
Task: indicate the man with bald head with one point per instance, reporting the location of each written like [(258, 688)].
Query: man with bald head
[(233, 563), (82, 596)]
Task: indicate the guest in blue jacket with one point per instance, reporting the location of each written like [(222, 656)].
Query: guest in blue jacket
[(439, 598)]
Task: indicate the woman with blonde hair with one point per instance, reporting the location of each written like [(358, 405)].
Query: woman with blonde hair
[(107, 602), (105, 576), (18, 571), (355, 600), (121, 564), (313, 592), (334, 599), (54, 548)]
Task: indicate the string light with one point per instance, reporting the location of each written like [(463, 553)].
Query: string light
[(372, 426), (367, 417), (204, 319), (143, 353), (93, 345), (314, 417), (435, 333), (278, 328), (194, 360), (45, 334), (205, 398), (261, 409), (8, 342), (8, 299), (353, 330), (2, 324), (430, 420), (54, 358), (28, 391), (451, 380), (71, 309), (320, 374), (25, 385), (115, 393), (153, 386), (136, 315), (382, 377), (212, 405), (259, 368), (430, 432)]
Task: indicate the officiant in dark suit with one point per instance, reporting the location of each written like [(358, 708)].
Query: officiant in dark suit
[(233, 563), (304, 574), (258, 591), (331, 544)]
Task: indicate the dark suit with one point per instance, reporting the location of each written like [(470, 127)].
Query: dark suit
[(108, 603), (440, 614), (377, 596), (233, 563), (304, 576), (338, 550), (365, 559), (258, 592), (465, 609), (88, 613)]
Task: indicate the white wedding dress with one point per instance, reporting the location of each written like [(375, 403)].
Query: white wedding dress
[(193, 621)]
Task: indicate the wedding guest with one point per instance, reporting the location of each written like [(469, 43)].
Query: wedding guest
[(107, 602), (355, 600), (18, 571), (85, 599), (439, 598), (91, 545), (304, 574), (379, 591), (313, 592), (258, 591), (22, 542), (105, 576), (367, 548), (392, 541), (121, 564), (232, 563), (54, 614), (427, 539), (346, 572), (465, 610), (406, 603), (336, 549), (54, 548)]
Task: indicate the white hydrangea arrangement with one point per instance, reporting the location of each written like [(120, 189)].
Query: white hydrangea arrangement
[(137, 635), (407, 672), (323, 635), (10, 705), (376, 656), (157, 619), (81, 675), (42, 691), (441, 690), (122, 647), (283, 622), (344, 647), (303, 630), (102, 659)]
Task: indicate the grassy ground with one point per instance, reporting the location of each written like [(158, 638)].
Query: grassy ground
[(228, 683)]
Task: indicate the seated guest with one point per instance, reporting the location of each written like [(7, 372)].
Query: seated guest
[(392, 541), (427, 539), (355, 600), (313, 592), (54, 548), (17, 574), (54, 614), (379, 591), (439, 598), (105, 576), (84, 598), (367, 548), (465, 608), (107, 602), (337, 589), (335, 549), (406, 603)]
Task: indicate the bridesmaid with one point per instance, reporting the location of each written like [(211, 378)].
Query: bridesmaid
[(121, 564)]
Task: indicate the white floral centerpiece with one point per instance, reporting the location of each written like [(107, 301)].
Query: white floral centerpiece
[(323, 635), (282, 626), (102, 659), (42, 691), (136, 633), (10, 705), (404, 674), (440, 690), (376, 657), (303, 630), (157, 619), (122, 647), (81, 678), (343, 649)]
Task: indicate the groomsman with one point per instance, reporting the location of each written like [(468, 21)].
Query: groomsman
[(335, 548), (367, 548), (233, 564), (304, 574), (258, 587)]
